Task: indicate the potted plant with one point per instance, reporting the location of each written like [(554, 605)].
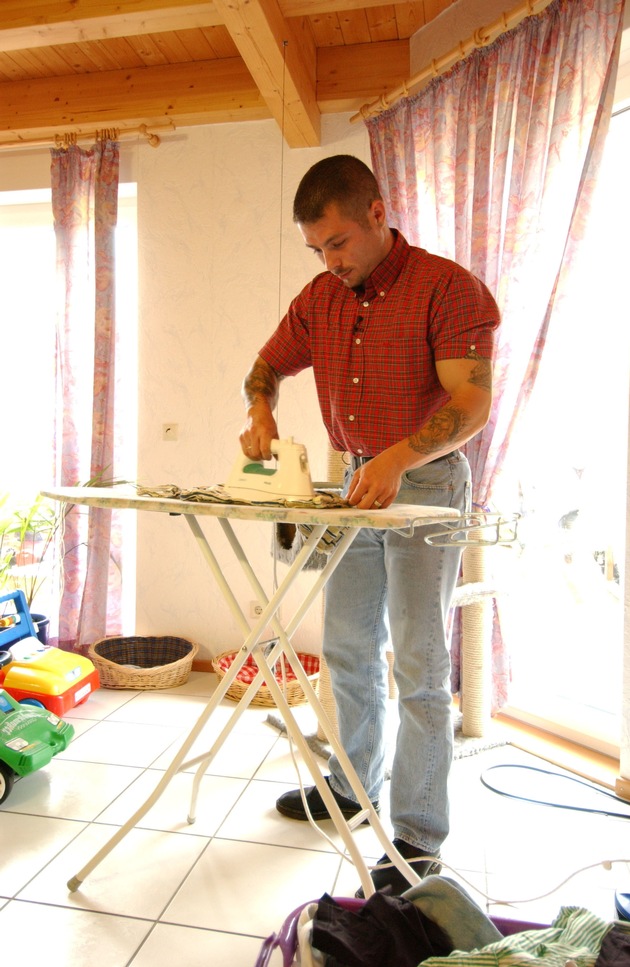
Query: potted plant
[(28, 536), (31, 545)]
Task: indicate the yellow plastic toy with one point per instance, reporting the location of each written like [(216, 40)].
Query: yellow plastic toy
[(35, 674)]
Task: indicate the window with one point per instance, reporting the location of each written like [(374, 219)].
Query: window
[(562, 615), (27, 257)]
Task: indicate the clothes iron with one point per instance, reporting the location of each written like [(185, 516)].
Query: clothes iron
[(290, 480)]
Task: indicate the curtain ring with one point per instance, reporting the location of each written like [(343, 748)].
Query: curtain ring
[(106, 134)]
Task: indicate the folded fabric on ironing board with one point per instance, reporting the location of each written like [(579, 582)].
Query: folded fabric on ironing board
[(216, 493)]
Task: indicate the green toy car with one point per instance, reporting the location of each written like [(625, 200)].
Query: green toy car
[(29, 738)]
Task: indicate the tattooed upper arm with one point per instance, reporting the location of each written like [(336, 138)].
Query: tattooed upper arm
[(481, 373), (470, 370)]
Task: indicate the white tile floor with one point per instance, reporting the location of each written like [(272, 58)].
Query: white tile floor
[(208, 893)]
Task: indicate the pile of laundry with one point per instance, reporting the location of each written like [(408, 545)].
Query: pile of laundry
[(218, 494), (437, 924)]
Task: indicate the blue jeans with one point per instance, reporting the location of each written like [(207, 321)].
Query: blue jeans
[(388, 585)]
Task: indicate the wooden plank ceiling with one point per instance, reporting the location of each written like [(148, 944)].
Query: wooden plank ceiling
[(72, 65)]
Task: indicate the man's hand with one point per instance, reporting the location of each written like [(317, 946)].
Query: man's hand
[(260, 392), (259, 430), (376, 483)]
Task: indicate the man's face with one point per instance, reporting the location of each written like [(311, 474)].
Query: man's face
[(349, 250)]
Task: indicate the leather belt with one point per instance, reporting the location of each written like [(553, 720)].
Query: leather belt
[(356, 462)]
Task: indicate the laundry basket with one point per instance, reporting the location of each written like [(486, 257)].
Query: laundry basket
[(285, 940), (292, 690), (148, 662)]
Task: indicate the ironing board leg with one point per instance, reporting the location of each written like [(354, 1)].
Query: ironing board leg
[(341, 825), (176, 766), (367, 810), (268, 616), (252, 636)]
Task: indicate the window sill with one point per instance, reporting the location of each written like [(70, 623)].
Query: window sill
[(586, 763)]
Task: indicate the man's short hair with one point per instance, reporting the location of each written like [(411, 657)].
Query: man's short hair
[(341, 179)]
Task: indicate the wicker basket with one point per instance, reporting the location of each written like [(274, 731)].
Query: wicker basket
[(143, 662), (293, 691)]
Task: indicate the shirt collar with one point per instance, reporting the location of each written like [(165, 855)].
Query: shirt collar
[(387, 271)]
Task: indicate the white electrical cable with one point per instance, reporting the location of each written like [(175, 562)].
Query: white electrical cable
[(606, 864)]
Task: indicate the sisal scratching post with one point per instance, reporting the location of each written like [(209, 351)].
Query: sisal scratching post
[(336, 465), (327, 699), (476, 651)]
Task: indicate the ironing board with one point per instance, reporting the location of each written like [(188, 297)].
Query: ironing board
[(402, 518)]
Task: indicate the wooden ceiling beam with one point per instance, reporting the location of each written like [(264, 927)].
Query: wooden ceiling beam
[(281, 57), (46, 14), (27, 25), (312, 8), (344, 72), (203, 92)]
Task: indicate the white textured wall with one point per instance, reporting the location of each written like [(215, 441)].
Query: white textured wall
[(219, 261)]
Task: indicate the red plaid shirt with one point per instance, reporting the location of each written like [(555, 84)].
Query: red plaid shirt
[(373, 355)]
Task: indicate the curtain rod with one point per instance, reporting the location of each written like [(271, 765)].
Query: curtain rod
[(73, 137), (481, 38)]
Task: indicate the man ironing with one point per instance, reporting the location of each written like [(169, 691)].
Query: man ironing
[(401, 346)]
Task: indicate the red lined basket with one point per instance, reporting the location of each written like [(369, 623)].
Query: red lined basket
[(287, 680)]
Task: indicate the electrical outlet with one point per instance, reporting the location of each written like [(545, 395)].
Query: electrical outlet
[(255, 609)]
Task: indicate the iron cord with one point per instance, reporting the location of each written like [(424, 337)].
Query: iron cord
[(520, 769)]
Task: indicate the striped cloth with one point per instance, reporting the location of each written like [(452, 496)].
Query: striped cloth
[(574, 938)]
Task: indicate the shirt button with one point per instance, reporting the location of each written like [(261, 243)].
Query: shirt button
[(366, 304), (359, 452), (351, 418), (357, 342), (356, 379), (382, 295)]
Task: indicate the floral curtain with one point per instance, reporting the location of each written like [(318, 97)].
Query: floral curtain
[(85, 204), (494, 165)]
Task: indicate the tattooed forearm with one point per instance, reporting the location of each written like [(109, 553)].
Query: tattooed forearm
[(443, 429), (481, 374), (469, 384), (260, 384)]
